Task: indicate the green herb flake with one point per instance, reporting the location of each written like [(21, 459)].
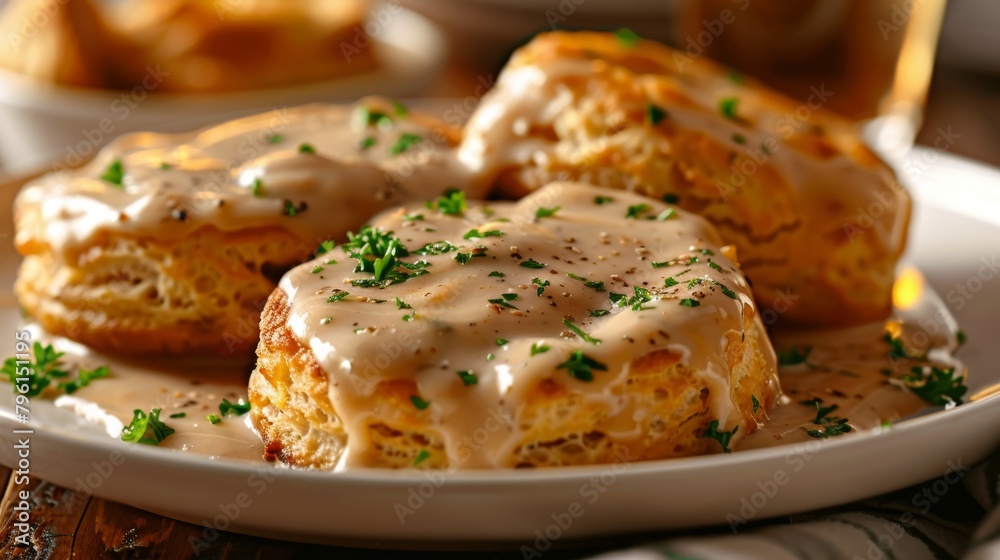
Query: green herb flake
[(654, 114), (542, 284), (400, 304), (325, 247), (468, 378), (337, 297), (627, 38), (419, 403), (728, 107), (670, 281), (602, 200), (581, 367), (635, 210), (290, 209), (739, 139), (532, 263), (714, 265), (238, 408), (306, 148), (689, 302), (599, 313), (960, 337), (400, 109), (165, 166), (723, 437), (84, 377), (579, 332), (42, 370), (366, 142), (114, 173), (421, 457), (671, 198), (942, 387), (316, 269), (213, 419), (497, 274), (794, 356), (501, 341), (451, 203), (665, 215), (405, 141), (539, 348), (755, 403), (179, 415), (146, 429), (547, 212), (476, 234), (596, 285), (275, 139)]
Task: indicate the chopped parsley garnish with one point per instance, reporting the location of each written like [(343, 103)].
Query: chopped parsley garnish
[(179, 415), (627, 38), (728, 106), (84, 377), (325, 247), (670, 198), (599, 313), (654, 114), (960, 337), (532, 263), (725, 289), (257, 187), (213, 419), (306, 148), (290, 209), (326, 320), (366, 142), (739, 139), (581, 367), (418, 402), (316, 269), (400, 109), (936, 386), (755, 403), (714, 265), (489, 357), (503, 300), (539, 348), (636, 302), (793, 356), (635, 210), (413, 217), (409, 317), (497, 274), (596, 285), (542, 284), (400, 304), (670, 281), (146, 428), (501, 341), (476, 234), (337, 297), (379, 253), (436, 248), (367, 117), (822, 412), (114, 173), (405, 141), (547, 212), (165, 166), (896, 347), (838, 428), (238, 408), (275, 139), (706, 252), (452, 203), (421, 457), (467, 377), (600, 200), (463, 258), (665, 215), (722, 437), (45, 368), (689, 302), (579, 332)]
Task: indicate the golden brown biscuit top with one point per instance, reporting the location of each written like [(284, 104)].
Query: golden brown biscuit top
[(316, 170), (478, 305)]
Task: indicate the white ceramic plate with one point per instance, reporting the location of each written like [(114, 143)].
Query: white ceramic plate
[(43, 123), (956, 227)]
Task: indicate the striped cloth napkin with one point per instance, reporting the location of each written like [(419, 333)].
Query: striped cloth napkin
[(942, 518)]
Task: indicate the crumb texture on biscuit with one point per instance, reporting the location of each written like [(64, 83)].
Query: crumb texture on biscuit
[(577, 326), (819, 220)]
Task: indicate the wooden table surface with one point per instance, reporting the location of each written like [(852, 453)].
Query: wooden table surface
[(65, 524)]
